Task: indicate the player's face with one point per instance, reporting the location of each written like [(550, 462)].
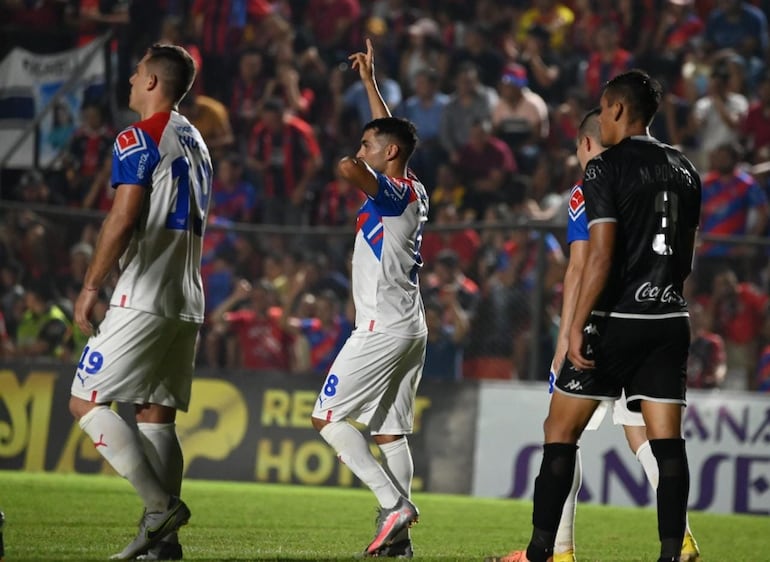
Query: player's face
[(607, 123), (372, 150), (136, 80)]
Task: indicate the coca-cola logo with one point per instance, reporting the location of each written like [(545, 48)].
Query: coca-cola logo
[(647, 292)]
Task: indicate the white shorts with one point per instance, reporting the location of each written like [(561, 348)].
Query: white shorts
[(374, 381), (138, 358), (621, 415)]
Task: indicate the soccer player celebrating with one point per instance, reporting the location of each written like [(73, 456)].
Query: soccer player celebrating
[(143, 352), (629, 332), (374, 378)]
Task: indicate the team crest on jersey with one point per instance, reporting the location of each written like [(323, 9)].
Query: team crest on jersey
[(577, 203), (129, 142)]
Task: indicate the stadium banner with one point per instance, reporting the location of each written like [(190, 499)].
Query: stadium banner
[(240, 426), (728, 448), (28, 81)]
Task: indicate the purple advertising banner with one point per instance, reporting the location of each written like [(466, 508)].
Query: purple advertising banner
[(728, 448)]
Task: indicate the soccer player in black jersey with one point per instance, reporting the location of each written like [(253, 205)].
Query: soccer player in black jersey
[(631, 326)]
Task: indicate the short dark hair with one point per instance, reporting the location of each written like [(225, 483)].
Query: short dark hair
[(640, 92), (589, 126), (175, 68), (402, 130)]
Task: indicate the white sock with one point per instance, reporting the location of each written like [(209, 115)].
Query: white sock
[(117, 443), (565, 534), (650, 465), (400, 467), (162, 448), (353, 450), (399, 464)]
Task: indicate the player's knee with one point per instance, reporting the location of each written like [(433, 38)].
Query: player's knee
[(318, 424), (79, 407), (556, 430)]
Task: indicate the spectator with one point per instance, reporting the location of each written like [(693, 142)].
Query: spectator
[(339, 202), (737, 311), (261, 342), (464, 241), (44, 330), (334, 27), (355, 98), (606, 60), (477, 51), (87, 161), (755, 128), (424, 55), (325, 332), (248, 89), (426, 109), (7, 349), (470, 102), (211, 118), (555, 17), (234, 197), (447, 189), (284, 151), (717, 116), (447, 327), (678, 27), (545, 70), (762, 381), (733, 204), (488, 165), (520, 117), (219, 28), (448, 278), (739, 26), (707, 362)]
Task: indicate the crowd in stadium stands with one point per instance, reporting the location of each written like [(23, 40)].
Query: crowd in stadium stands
[(496, 89)]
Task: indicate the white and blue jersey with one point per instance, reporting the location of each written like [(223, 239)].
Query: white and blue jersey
[(386, 258), (577, 223), (160, 269)]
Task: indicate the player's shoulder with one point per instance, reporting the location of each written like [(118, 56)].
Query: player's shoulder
[(141, 136)]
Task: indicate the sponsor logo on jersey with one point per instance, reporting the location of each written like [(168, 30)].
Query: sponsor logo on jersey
[(647, 292), (129, 142)]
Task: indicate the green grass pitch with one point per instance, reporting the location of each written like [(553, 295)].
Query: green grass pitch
[(79, 517)]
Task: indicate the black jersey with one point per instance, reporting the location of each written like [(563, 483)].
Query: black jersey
[(653, 194)]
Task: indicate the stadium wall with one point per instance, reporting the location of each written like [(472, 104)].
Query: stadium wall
[(470, 438)]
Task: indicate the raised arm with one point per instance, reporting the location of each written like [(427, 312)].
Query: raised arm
[(364, 63)]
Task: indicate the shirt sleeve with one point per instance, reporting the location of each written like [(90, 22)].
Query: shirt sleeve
[(599, 194), (134, 157), (577, 223), (393, 195)]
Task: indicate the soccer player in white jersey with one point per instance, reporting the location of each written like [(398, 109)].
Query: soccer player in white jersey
[(143, 352), (374, 378)]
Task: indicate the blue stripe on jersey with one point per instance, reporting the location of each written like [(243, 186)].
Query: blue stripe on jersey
[(577, 222), (370, 225)]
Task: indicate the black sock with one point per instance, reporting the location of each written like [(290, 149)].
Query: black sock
[(673, 489), (552, 487)]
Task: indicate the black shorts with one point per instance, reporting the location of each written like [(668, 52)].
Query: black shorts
[(646, 358)]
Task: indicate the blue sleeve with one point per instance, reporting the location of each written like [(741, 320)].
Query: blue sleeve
[(577, 224), (392, 196), (757, 196), (134, 157)]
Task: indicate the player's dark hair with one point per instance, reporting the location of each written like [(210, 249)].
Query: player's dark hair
[(589, 126), (401, 130), (175, 69), (640, 92)]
